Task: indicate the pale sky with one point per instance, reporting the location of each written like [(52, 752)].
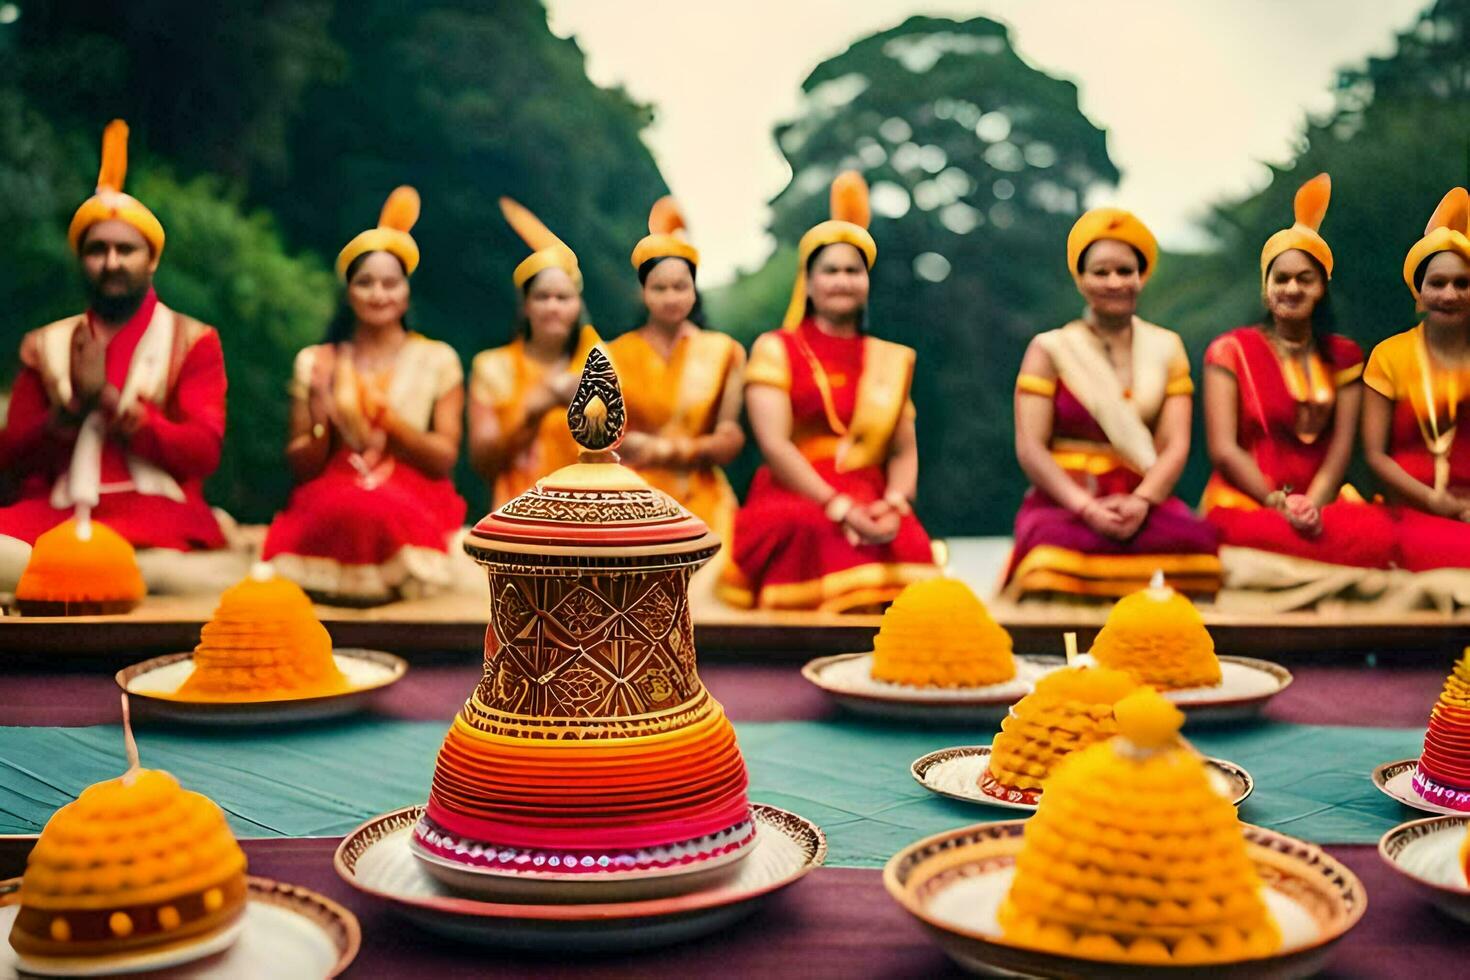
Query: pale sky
[(1196, 95)]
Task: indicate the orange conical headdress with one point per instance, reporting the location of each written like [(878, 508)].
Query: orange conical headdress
[(665, 235), (400, 213), (849, 225), (1446, 232), (1310, 207), (110, 202), (547, 251)]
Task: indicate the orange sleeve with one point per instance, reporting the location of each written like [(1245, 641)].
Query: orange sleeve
[(1379, 374), (768, 364)]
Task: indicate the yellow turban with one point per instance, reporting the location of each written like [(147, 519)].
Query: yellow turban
[(1118, 225), (1446, 232), (665, 239), (400, 213), (110, 202), (1310, 208), (548, 251), (849, 225)]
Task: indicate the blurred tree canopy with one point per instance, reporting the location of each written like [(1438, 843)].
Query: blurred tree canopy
[(267, 133), (978, 165)]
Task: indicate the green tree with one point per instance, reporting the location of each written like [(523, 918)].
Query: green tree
[(978, 165)]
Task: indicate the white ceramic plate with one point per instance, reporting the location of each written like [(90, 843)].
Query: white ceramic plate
[(1396, 779), (1246, 684), (1427, 854), (286, 931), (368, 672), (848, 677), (375, 859), (956, 772)]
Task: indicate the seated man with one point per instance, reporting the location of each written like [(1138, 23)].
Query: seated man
[(120, 410)]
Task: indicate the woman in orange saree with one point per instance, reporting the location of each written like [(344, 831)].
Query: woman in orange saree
[(518, 392), (1418, 383), (682, 384), (829, 523), (1281, 414), (1102, 430)]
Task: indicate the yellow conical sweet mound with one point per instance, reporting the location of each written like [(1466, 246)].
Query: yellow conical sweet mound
[(263, 643), (1070, 709), (938, 633), (1133, 856), (132, 862), (82, 562), (1157, 635)]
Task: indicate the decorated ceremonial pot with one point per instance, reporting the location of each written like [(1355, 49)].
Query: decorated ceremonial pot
[(590, 750)]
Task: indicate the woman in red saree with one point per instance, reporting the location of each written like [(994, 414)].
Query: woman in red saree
[(1281, 413), (375, 425), (1102, 430), (1418, 384), (828, 522)]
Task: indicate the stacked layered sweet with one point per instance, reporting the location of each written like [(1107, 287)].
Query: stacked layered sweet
[(1443, 773), (1133, 856), (590, 746), (1069, 710), (533, 795), (263, 643), (1157, 635), (938, 633), (133, 863), (80, 568)]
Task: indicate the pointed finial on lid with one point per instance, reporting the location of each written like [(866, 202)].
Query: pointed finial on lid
[(596, 414)]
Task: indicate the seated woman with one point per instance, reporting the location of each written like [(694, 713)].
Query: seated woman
[(1102, 430), (828, 523), (519, 392), (682, 385), (1281, 412), (375, 423), (1418, 381)]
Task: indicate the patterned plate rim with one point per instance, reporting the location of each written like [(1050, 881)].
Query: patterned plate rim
[(1310, 860), (797, 828), (1384, 772), (812, 671), (339, 924), (1412, 829), (396, 664), (920, 766)]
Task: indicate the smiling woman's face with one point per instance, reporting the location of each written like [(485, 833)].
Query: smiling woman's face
[(838, 282), (1111, 278), (378, 291)]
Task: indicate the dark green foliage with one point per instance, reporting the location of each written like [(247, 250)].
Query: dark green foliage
[(312, 111)]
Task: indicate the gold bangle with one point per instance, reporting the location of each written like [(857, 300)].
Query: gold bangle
[(318, 430), (1276, 499)]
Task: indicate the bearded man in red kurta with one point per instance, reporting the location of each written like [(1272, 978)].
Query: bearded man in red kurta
[(120, 410)]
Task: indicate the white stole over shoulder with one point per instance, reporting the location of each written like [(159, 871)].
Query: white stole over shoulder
[(147, 379), (1082, 363)]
